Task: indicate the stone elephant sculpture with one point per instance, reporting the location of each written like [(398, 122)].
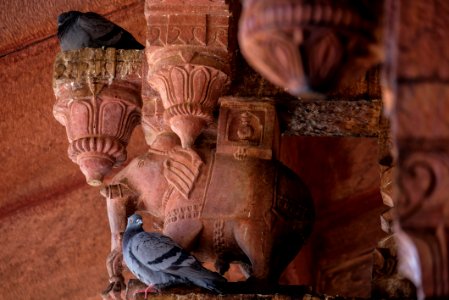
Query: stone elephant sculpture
[(253, 211)]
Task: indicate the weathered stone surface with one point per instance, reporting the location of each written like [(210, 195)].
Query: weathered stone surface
[(43, 255), (423, 51), (422, 110), (239, 291), (344, 237), (331, 118)]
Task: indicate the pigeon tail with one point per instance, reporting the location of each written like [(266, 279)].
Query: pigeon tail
[(203, 277), (211, 285)]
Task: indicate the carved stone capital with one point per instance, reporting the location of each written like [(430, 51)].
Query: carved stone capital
[(306, 46), (189, 60), (98, 101)]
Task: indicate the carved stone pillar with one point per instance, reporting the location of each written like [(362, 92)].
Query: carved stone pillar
[(98, 101), (417, 98), (189, 60), (306, 46)]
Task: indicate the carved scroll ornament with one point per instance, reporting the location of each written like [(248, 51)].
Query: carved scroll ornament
[(309, 46), (421, 211)]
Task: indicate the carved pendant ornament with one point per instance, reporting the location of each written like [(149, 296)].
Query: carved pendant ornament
[(99, 102), (219, 199), (310, 46)]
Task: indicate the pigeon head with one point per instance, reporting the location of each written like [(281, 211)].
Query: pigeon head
[(135, 220), (68, 16)]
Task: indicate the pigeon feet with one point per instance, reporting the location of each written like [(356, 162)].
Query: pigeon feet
[(149, 289)]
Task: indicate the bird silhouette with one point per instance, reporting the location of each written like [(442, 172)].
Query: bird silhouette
[(80, 30)]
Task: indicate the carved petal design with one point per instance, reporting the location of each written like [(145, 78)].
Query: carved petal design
[(418, 181), (199, 85), (189, 93)]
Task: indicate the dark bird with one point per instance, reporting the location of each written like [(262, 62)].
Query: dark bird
[(159, 262), (80, 30)]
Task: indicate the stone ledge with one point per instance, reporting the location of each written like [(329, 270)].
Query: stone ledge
[(235, 291)]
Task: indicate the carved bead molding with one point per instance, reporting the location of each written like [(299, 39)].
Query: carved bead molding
[(189, 60), (306, 46), (99, 103)]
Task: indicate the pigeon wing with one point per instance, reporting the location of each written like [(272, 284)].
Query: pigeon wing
[(157, 252), (101, 30), (164, 257)]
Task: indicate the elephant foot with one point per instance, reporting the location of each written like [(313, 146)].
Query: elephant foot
[(221, 266)]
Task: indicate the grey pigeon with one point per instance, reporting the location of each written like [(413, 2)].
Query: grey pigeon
[(159, 262), (80, 30)]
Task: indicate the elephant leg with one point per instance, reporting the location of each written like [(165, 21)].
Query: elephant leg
[(255, 241)]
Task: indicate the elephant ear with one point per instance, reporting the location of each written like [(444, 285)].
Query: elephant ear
[(181, 169)]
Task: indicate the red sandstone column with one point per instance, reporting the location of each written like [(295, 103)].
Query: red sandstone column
[(417, 102)]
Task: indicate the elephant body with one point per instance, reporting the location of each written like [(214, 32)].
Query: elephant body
[(253, 211)]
